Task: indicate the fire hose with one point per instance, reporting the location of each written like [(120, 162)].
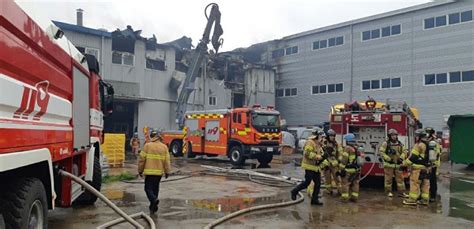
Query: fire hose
[(125, 217)]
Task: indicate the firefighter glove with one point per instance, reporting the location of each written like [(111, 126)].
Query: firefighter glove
[(166, 175), (386, 158)]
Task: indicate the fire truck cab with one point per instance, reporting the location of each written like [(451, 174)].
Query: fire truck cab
[(369, 121), (240, 134)]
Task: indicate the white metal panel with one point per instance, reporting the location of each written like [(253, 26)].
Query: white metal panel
[(81, 109)]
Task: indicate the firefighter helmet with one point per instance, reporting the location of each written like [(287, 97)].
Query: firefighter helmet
[(349, 137), (331, 132), (155, 133), (429, 130), (392, 132), (420, 133)]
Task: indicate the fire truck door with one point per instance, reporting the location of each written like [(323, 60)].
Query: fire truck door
[(211, 136)]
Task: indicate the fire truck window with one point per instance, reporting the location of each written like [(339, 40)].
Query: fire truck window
[(234, 117), (239, 118)]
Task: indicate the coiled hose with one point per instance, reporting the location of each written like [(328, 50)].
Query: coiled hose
[(125, 217)]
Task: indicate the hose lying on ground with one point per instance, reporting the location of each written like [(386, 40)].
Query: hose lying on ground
[(252, 209), (109, 203), (121, 220)]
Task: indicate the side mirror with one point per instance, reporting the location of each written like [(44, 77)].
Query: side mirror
[(107, 96)]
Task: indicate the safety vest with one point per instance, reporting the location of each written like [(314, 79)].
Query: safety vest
[(348, 160), (313, 158), (154, 159), (391, 152), (419, 156)]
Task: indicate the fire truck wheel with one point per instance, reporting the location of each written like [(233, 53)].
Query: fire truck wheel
[(88, 198), (176, 148), (190, 153), (236, 155), (24, 204), (265, 159)]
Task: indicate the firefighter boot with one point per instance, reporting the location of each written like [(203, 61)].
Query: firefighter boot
[(409, 202), (294, 194), (423, 202)]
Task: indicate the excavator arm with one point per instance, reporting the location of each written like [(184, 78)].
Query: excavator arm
[(213, 19)]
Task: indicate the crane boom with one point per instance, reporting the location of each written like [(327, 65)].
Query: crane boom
[(213, 18)]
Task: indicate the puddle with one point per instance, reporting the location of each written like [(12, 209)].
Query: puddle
[(458, 200)]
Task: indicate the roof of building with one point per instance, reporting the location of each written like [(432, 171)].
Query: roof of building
[(82, 29), (372, 18)]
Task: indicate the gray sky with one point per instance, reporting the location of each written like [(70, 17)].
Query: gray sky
[(245, 22)]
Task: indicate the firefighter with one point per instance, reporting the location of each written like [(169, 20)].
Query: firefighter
[(420, 168), (393, 153), (135, 144), (154, 162), (433, 144), (333, 150), (313, 162), (350, 165)]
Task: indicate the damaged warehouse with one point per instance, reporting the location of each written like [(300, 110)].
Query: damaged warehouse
[(147, 77)]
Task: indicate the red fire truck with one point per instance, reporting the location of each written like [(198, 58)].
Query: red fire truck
[(51, 118), (240, 134), (369, 121)]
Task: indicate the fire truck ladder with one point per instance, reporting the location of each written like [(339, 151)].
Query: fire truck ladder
[(214, 18)]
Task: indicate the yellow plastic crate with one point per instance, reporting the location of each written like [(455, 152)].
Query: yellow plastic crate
[(114, 148)]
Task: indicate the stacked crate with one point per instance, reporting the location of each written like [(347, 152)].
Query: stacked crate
[(114, 149)]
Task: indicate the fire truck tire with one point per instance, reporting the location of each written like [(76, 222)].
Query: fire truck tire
[(176, 148), (190, 153), (265, 159), (236, 155), (87, 198), (24, 204)]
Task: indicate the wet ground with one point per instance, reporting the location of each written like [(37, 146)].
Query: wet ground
[(193, 202)]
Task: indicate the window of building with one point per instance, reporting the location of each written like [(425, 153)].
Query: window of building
[(331, 88), (396, 29), (279, 93), (441, 21), (466, 16), (155, 64), (314, 90), (375, 34), (294, 92), (386, 31), (288, 92), (278, 53), (123, 58), (429, 23), (339, 40), (430, 79), (316, 45), (375, 84), (441, 78), (396, 82), (455, 77), (332, 42), (116, 58), (339, 87), (467, 76), (366, 85), (454, 18), (323, 44), (322, 89), (386, 83), (366, 35), (212, 101), (291, 50)]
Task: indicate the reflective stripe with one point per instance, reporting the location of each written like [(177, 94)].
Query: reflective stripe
[(415, 152), (153, 172), (413, 195), (389, 165), (310, 167), (350, 170), (155, 156), (241, 133), (143, 154), (355, 194), (417, 166), (345, 195), (425, 196)]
